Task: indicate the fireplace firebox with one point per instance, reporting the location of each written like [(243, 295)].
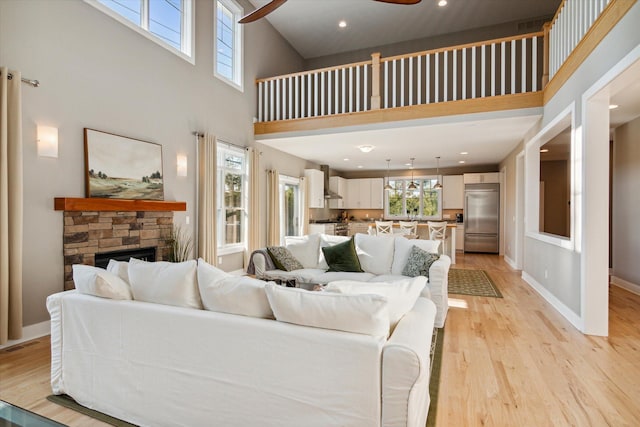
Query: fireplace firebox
[(144, 254)]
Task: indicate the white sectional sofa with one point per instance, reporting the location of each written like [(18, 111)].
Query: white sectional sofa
[(382, 258), (159, 351)]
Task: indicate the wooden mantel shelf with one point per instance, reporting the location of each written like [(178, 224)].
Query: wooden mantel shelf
[(99, 204)]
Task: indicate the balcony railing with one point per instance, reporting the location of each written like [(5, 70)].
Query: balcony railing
[(514, 65)]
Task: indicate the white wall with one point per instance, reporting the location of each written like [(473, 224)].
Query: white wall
[(97, 73), (559, 270), (626, 202)]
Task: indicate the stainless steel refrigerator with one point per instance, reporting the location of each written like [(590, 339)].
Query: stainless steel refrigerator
[(482, 218)]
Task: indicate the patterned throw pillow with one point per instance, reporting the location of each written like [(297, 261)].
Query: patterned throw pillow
[(283, 258), (419, 262)]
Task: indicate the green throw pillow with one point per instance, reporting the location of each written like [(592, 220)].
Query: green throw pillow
[(342, 257), (283, 258), (419, 262)]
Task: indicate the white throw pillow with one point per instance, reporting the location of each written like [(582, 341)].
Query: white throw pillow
[(325, 241), (401, 295), (375, 253), (403, 248), (226, 293), (304, 249), (165, 282), (362, 314), (119, 268), (99, 282)]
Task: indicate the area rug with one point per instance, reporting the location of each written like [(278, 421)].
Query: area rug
[(68, 402), (434, 380), (472, 282), (434, 386)]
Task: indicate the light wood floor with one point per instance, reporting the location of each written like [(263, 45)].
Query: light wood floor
[(507, 362)]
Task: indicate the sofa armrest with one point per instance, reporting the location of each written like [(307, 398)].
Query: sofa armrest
[(259, 264), (439, 287), (54, 306), (406, 368)]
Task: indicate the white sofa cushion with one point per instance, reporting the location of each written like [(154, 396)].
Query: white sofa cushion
[(364, 314), (401, 295), (403, 248), (120, 269), (304, 248), (375, 253), (99, 282), (165, 282), (325, 241), (226, 293)]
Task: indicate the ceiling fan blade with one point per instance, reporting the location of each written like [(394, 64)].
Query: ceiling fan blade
[(263, 11), (400, 1)]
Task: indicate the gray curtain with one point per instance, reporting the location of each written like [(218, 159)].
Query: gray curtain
[(10, 206)]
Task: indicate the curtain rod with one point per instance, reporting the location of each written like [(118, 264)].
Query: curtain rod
[(34, 83), (201, 135)]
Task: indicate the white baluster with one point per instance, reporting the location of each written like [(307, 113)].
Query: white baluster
[(445, 77), (322, 93), (428, 80), (513, 67), (337, 92), (309, 96), (284, 99), (523, 72), (260, 106), (411, 80), (344, 93), (303, 96), (464, 73), (483, 71), (493, 69), (402, 82), (386, 84), (436, 75), (454, 74), (394, 83), (297, 97), (534, 63), (351, 89), (419, 98), (365, 83), (329, 92), (358, 88), (271, 100), (315, 94), (473, 72), (502, 48)]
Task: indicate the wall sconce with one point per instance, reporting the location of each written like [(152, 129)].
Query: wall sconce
[(47, 139), (181, 165)]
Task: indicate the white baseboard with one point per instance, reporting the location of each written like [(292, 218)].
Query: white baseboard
[(566, 312), (621, 283), (30, 332), (511, 262)]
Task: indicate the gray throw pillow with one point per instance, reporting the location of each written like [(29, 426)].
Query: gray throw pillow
[(283, 258), (419, 262)]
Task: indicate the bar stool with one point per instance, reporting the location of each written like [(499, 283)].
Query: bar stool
[(384, 227), (438, 231), (408, 227)]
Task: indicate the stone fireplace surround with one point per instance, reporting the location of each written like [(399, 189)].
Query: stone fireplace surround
[(92, 227)]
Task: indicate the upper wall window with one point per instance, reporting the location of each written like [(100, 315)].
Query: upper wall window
[(228, 43), (167, 22)]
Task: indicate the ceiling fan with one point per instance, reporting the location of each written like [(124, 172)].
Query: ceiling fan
[(274, 4)]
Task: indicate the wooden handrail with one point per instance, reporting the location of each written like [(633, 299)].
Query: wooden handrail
[(319, 70), (462, 46), (555, 17)]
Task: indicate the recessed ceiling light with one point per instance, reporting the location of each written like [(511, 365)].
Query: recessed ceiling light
[(342, 24), (345, 159), (359, 166), (613, 106), (366, 148), (544, 150), (442, 3), (408, 164), (461, 161), (463, 153)]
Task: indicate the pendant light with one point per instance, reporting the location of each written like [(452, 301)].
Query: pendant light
[(412, 185), (388, 186), (438, 186)]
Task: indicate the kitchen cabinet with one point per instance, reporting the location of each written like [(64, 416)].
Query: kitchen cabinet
[(329, 229), (339, 186), (315, 187), (460, 237), (359, 227), (452, 192), (482, 178), (365, 193)]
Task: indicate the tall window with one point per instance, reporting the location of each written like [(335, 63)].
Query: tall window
[(290, 207), (169, 22), (232, 198), (228, 43), (423, 202)]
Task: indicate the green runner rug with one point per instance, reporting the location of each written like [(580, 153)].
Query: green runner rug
[(472, 282)]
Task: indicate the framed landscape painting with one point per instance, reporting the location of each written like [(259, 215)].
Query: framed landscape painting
[(118, 167)]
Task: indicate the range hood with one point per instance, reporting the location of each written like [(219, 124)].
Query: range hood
[(328, 194)]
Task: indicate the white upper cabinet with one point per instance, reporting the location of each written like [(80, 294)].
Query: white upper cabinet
[(338, 185), (365, 193), (315, 187), (482, 178), (452, 192)]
